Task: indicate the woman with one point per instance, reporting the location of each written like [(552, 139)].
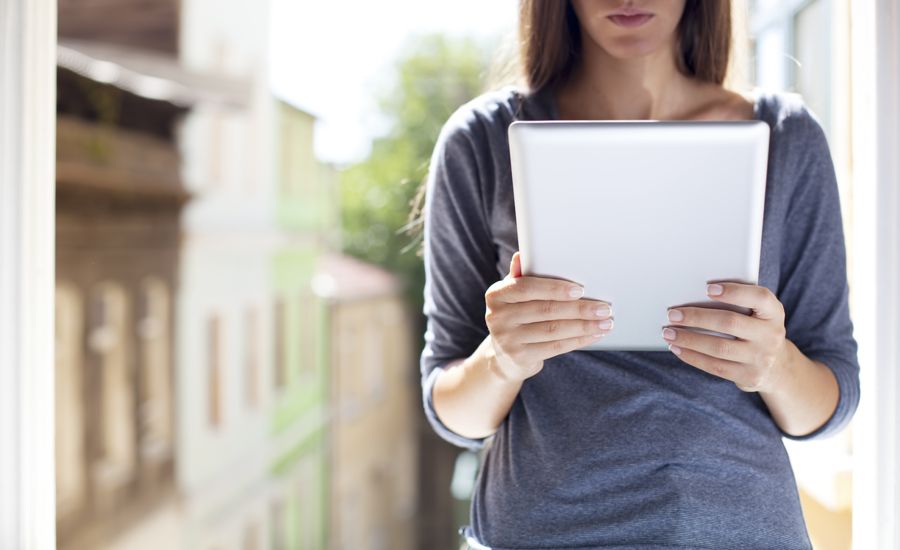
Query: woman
[(678, 449)]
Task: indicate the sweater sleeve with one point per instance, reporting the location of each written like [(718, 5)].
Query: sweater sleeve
[(460, 264), (813, 285)]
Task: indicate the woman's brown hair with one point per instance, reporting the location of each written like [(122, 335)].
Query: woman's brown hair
[(550, 41)]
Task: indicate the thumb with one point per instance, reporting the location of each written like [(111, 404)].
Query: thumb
[(515, 265)]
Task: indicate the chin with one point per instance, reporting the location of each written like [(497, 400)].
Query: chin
[(632, 47)]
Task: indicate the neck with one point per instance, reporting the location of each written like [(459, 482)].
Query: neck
[(605, 88)]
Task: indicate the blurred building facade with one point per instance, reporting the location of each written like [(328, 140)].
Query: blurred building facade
[(142, 24), (119, 197), (198, 335), (374, 407)]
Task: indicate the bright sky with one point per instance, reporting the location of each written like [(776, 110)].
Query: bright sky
[(330, 56)]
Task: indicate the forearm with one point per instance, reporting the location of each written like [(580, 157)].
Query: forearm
[(471, 397), (805, 396)]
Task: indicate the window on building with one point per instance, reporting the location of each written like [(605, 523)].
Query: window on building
[(307, 492), (70, 479), (352, 533), (404, 486), (251, 357), (110, 344), (280, 344), (278, 532), (216, 146), (311, 480), (308, 337), (350, 377), (373, 355), (395, 340), (251, 537), (154, 333), (288, 157), (214, 368)]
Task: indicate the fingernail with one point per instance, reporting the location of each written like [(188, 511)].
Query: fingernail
[(676, 315), (674, 349), (605, 325), (576, 291), (715, 290), (669, 334), (603, 311)]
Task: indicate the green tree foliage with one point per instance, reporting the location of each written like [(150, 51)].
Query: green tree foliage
[(434, 76)]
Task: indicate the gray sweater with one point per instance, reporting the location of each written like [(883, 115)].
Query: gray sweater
[(633, 449)]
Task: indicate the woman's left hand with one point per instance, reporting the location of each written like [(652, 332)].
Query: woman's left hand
[(755, 359)]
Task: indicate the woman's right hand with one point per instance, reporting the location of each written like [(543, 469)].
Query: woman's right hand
[(535, 318)]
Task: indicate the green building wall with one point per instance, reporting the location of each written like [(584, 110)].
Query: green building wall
[(305, 211)]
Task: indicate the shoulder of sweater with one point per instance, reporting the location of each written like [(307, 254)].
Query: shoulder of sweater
[(788, 115), (796, 131), (490, 112)]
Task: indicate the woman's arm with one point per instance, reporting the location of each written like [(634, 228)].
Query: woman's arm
[(801, 394), (458, 258), (529, 319), (504, 329), (471, 397), (806, 395), (797, 349)]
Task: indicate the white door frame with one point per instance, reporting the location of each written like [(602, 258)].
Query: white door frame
[(875, 62), (27, 166), (27, 154)]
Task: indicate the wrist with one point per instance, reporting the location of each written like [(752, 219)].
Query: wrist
[(493, 366), (783, 369)]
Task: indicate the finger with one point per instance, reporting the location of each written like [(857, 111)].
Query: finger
[(561, 329), (525, 289), (738, 351), (546, 350), (546, 310), (722, 368), (760, 299), (719, 320)]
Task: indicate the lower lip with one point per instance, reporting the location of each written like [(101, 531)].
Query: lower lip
[(631, 21)]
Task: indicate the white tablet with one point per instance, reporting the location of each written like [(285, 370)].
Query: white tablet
[(643, 214)]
